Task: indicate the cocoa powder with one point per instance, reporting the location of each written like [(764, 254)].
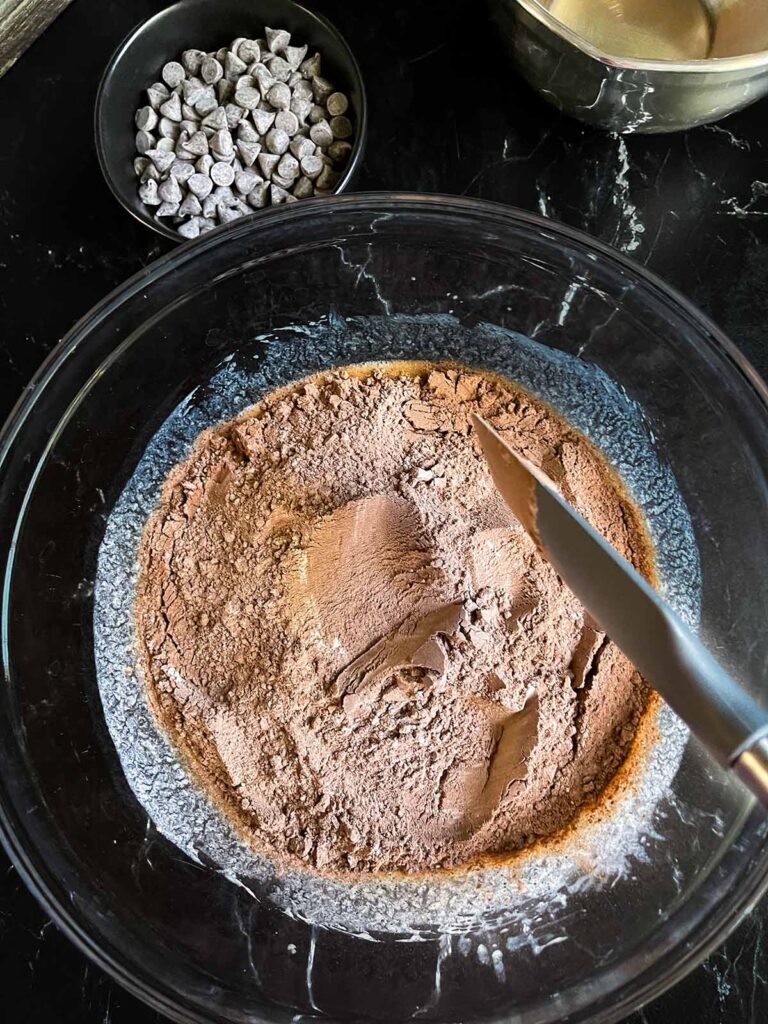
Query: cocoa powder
[(358, 651)]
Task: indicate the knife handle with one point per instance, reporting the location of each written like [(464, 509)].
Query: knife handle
[(751, 766)]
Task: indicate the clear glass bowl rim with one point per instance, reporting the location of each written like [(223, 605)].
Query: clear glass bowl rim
[(653, 978)]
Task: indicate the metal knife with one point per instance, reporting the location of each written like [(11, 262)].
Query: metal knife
[(728, 721)]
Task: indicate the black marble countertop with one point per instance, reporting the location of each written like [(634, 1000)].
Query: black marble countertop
[(447, 115)]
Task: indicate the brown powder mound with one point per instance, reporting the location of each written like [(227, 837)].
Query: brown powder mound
[(366, 568), (358, 650)]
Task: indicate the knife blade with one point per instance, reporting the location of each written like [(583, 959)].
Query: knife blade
[(667, 653)]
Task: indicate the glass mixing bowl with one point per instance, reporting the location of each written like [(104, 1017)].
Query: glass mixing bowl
[(176, 932)]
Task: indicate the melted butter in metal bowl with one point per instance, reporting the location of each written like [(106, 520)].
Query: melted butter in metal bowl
[(742, 27), (640, 65), (648, 29)]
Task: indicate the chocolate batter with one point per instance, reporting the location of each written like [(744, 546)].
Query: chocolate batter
[(360, 653)]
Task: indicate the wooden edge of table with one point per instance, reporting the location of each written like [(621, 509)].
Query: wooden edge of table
[(21, 22)]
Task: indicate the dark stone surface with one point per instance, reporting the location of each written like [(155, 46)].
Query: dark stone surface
[(447, 115)]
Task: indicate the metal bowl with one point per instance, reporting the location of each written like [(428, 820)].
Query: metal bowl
[(207, 24), (624, 94)]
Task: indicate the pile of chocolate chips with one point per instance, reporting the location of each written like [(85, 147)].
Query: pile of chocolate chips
[(250, 125)]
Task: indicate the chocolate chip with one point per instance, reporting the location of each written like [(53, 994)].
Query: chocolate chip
[(321, 89), (197, 144), (339, 151), (303, 88), (282, 182), (288, 167), (248, 151), (280, 69), (337, 104), (173, 74), (222, 174), (225, 90), (328, 178), (190, 207), (200, 185), (301, 107), (211, 71), (267, 163), (157, 94), (279, 96), (249, 51), (235, 115), (258, 197), (150, 173), (234, 67), (341, 127), (248, 97), (216, 119), (192, 89), (310, 68), (263, 76), (294, 55), (223, 195), (191, 61), (206, 104), (222, 145), (170, 191), (277, 194), (263, 120), (148, 193), (311, 166), (146, 119), (144, 141), (189, 229), (321, 133), (230, 213), (287, 122), (171, 108), (204, 164), (247, 133), (277, 39), (182, 170), (246, 181), (301, 147), (168, 129), (277, 141), (161, 160), (303, 188)]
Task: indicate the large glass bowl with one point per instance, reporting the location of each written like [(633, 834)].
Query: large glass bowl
[(176, 932)]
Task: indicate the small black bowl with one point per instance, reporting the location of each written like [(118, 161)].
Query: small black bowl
[(207, 25)]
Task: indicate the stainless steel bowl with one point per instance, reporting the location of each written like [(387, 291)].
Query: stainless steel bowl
[(624, 94)]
